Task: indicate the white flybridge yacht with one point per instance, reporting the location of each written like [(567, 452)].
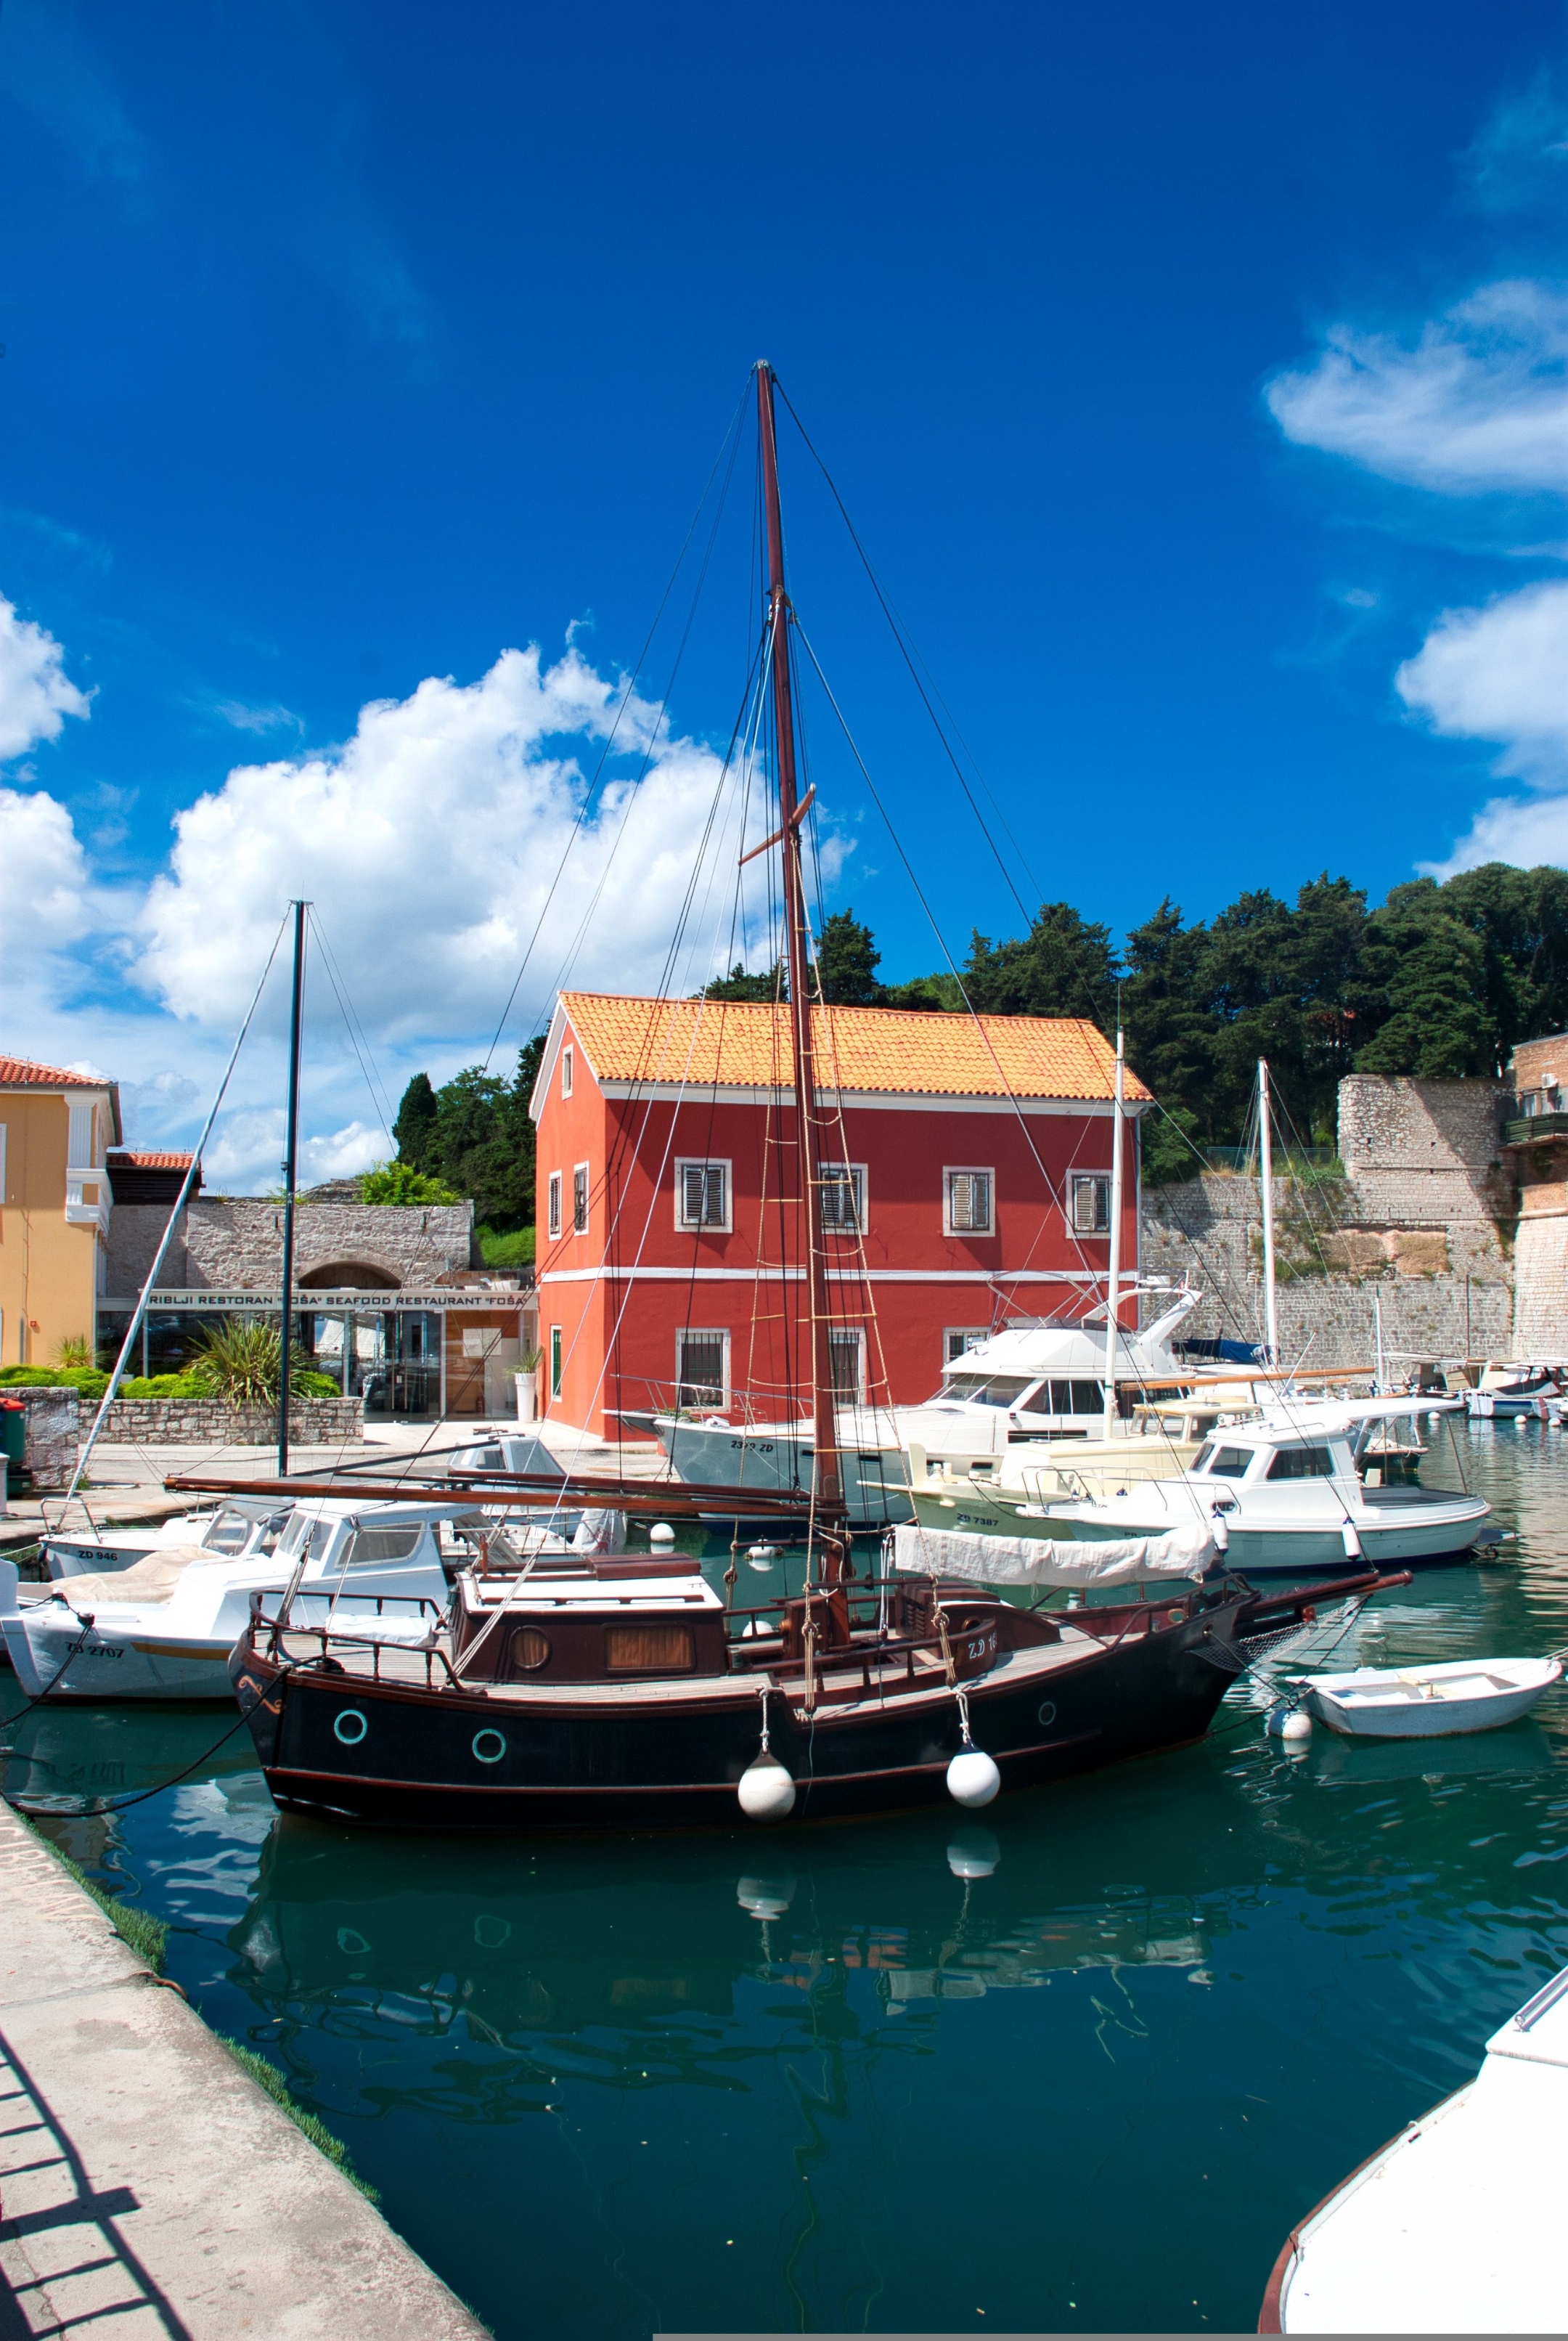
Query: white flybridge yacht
[(1038, 1379)]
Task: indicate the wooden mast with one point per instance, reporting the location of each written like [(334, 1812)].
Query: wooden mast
[(828, 1485)]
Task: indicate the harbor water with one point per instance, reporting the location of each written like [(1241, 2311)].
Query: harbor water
[(1079, 2062)]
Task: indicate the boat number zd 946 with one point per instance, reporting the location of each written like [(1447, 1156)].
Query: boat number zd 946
[(982, 1646)]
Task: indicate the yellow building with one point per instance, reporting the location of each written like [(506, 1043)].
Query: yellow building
[(56, 1132)]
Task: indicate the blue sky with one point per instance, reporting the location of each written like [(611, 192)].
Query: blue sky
[(1194, 377)]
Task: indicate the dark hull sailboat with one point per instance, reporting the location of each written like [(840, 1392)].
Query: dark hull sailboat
[(872, 1725), (625, 1693)]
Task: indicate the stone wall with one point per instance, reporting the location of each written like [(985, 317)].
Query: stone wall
[(53, 1435), (224, 1244), (1422, 1219), (1210, 1229), (207, 1422)]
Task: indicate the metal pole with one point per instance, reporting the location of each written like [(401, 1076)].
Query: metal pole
[(1266, 1170), (1114, 1274), (291, 1172), (827, 1478)]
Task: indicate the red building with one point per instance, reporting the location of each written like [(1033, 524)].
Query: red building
[(971, 1182)]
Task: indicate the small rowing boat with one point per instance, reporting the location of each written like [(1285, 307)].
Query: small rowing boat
[(1427, 1702)]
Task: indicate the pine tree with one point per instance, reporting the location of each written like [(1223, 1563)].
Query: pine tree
[(413, 1132)]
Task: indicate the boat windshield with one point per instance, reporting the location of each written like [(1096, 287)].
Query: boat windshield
[(229, 1533), (1222, 1462), (986, 1390)]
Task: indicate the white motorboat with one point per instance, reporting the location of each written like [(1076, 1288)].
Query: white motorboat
[(1506, 1391), (1287, 1498), (1037, 1379), (164, 1627), (241, 1526), (1452, 2227), (1427, 1702)]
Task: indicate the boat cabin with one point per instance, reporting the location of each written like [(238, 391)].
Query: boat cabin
[(1253, 1457), (602, 1620)]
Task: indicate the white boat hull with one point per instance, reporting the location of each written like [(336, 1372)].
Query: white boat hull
[(1429, 1702)]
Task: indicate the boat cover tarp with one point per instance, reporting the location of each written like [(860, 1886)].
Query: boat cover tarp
[(149, 1582), (1186, 1551)]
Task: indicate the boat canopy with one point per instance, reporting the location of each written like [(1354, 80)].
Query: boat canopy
[(1185, 1552)]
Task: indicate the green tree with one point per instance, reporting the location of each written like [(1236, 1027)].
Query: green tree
[(413, 1132), (1065, 966), (1171, 1029), (1430, 969), (847, 963), (769, 983)]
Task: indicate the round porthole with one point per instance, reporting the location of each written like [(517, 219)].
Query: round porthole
[(350, 1727), (1048, 1710), (351, 1940), (489, 1747), (490, 1934)]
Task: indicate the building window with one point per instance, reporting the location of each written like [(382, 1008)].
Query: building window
[(1090, 1206), (966, 1202), (701, 1368), (847, 1354), (702, 1194), (555, 1202), (566, 1071), (580, 1200), (958, 1341), (843, 1191), (555, 1361)]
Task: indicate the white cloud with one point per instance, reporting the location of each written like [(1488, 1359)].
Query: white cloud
[(1500, 674), (430, 844), (36, 693), (1478, 402), (45, 903), (1524, 830), (433, 843), (246, 1153)]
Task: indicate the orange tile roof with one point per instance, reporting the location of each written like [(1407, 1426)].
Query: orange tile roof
[(17, 1072), (135, 1159), (746, 1044)]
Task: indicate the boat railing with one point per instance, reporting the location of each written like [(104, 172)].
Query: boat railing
[(279, 1633)]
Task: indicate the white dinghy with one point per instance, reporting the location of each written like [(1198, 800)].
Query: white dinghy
[(1427, 1702)]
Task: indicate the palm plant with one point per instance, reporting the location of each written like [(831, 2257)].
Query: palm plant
[(239, 1361)]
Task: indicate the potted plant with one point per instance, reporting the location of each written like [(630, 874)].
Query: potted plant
[(526, 1382)]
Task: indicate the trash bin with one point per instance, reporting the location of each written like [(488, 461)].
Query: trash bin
[(13, 1431), (13, 1441)]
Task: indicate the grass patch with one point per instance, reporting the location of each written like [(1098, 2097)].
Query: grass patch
[(147, 1937), (506, 1247), (267, 2077)]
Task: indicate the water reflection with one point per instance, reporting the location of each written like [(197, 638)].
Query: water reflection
[(720, 2070)]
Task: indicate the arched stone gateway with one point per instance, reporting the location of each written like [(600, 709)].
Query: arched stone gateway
[(360, 1275)]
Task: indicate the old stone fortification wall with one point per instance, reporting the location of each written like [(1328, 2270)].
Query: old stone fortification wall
[(1422, 1218), (226, 1244), (207, 1422), (1541, 1273)]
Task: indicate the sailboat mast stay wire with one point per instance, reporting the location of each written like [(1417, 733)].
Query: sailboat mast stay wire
[(139, 1310), (626, 697)]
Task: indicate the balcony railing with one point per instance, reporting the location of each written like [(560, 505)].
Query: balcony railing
[(1532, 1127)]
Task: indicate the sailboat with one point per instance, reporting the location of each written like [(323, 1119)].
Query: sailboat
[(621, 1690)]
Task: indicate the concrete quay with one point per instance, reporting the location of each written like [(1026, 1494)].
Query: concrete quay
[(147, 2186)]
